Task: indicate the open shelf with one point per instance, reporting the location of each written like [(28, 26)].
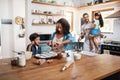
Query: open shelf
[(52, 4), (34, 13), (79, 8), (97, 5), (38, 24)]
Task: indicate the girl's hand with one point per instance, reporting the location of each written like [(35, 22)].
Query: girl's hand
[(92, 21)]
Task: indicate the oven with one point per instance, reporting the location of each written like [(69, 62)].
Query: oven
[(113, 48), (44, 38)]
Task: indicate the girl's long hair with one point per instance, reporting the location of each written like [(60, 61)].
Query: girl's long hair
[(100, 19)]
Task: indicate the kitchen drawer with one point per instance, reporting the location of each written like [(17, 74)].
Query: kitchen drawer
[(115, 48), (118, 49), (106, 47), (115, 53)]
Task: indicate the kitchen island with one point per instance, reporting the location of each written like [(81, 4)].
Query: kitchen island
[(87, 68)]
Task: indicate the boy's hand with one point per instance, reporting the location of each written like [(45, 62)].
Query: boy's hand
[(32, 43)]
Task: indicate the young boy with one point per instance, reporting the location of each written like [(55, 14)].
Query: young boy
[(34, 45), (35, 48)]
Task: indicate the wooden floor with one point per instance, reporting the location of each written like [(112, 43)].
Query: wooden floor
[(88, 68)]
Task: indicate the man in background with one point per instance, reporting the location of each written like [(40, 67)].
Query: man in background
[(87, 24)]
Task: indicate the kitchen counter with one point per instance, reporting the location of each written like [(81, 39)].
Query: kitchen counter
[(87, 68)]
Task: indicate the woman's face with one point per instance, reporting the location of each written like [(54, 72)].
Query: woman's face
[(59, 27), (97, 17)]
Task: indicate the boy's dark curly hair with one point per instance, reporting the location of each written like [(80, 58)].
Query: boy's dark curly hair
[(33, 36)]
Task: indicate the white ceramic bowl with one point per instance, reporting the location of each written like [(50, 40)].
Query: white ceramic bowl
[(77, 56), (28, 55)]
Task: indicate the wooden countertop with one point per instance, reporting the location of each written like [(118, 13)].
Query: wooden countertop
[(88, 68)]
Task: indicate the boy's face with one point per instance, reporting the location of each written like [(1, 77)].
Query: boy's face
[(37, 40)]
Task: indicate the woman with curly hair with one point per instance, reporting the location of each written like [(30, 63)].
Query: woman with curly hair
[(62, 36)]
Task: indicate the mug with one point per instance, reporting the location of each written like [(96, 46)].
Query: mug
[(28, 55), (22, 60)]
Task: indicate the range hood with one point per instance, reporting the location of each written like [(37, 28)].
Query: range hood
[(114, 15)]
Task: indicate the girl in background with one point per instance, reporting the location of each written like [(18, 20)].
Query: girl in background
[(95, 31)]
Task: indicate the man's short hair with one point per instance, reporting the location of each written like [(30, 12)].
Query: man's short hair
[(85, 14), (33, 36)]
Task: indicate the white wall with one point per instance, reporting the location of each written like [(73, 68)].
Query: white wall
[(18, 10), (79, 3), (9, 33), (6, 30), (116, 31), (6, 41)]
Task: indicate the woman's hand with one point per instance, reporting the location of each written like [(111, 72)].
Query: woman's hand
[(54, 46), (49, 44), (57, 45)]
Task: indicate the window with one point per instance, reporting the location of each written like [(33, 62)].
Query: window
[(69, 18), (108, 23)]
